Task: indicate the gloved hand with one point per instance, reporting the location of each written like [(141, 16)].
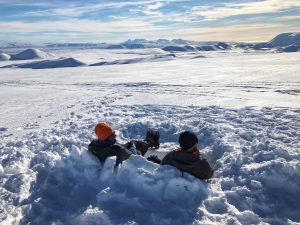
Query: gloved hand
[(154, 158)]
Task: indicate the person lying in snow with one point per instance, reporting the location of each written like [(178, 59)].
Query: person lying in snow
[(106, 144), (187, 157)]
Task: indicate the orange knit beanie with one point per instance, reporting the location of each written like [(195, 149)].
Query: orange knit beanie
[(103, 131)]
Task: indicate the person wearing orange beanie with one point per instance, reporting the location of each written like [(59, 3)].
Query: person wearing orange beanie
[(103, 131), (106, 144)]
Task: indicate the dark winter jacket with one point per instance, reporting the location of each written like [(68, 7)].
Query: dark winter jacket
[(105, 149), (190, 163)]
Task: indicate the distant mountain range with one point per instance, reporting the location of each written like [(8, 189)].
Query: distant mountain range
[(285, 42)]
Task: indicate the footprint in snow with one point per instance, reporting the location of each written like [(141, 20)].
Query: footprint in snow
[(32, 126)]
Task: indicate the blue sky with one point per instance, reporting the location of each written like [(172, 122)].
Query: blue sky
[(115, 21)]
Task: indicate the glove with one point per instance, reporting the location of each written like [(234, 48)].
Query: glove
[(154, 158)]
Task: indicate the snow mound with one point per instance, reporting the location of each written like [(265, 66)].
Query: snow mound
[(156, 58), (150, 192), (46, 64), (30, 54), (4, 57)]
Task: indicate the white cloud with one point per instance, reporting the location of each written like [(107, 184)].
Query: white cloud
[(135, 25), (152, 13), (87, 31), (26, 3), (155, 6), (247, 8), (286, 18), (78, 26), (152, 10), (241, 32), (70, 11)]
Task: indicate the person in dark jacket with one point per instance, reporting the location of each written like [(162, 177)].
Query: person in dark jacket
[(106, 144), (187, 157)]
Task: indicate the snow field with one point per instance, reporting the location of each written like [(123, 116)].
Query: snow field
[(47, 176), (256, 161)]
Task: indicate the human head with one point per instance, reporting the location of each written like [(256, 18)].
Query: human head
[(187, 140), (103, 131)]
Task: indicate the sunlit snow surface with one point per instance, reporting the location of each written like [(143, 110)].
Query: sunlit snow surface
[(244, 108)]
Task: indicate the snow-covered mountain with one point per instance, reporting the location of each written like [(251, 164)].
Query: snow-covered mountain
[(175, 49), (286, 42), (195, 48), (285, 39), (291, 48), (75, 45), (158, 43)]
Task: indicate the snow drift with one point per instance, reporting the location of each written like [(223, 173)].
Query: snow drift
[(156, 58), (30, 54), (46, 64)]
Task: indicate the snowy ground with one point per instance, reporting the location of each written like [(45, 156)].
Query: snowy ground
[(244, 108)]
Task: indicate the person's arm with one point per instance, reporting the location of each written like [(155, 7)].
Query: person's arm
[(92, 147), (206, 171)]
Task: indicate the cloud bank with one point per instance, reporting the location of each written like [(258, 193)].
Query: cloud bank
[(152, 19)]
